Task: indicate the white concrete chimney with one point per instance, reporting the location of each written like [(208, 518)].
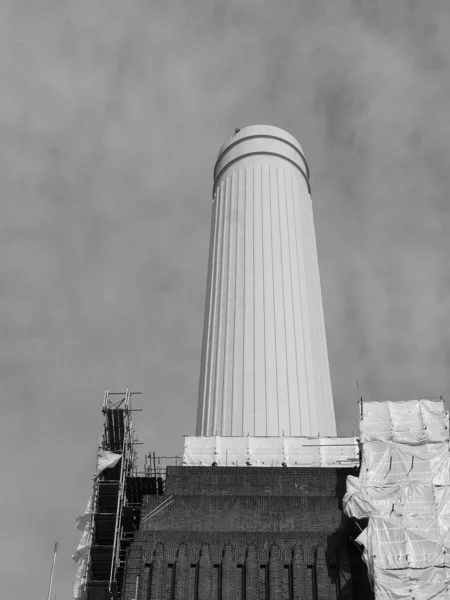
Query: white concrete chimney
[(264, 368)]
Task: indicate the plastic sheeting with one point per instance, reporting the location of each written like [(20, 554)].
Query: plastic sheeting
[(79, 587), (271, 451), (106, 460), (431, 583), (84, 524), (85, 518), (404, 490), (408, 422)]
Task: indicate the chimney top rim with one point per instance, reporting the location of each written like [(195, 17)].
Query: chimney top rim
[(260, 139), (260, 130)]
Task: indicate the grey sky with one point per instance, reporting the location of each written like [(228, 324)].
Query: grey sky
[(111, 116)]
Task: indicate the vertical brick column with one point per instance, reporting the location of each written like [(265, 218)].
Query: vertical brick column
[(252, 573), (144, 582), (182, 567), (299, 573), (275, 574), (133, 570), (157, 591), (326, 589), (228, 580), (205, 574)]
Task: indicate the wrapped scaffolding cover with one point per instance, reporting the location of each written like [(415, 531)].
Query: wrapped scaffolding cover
[(404, 490), (271, 451), (432, 583), (84, 524), (410, 422), (79, 587)]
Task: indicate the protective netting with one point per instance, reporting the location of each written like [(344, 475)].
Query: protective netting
[(404, 490)]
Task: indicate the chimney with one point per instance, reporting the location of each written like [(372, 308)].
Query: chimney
[(264, 367)]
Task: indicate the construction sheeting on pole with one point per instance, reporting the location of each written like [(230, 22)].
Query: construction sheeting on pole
[(271, 451), (404, 490)]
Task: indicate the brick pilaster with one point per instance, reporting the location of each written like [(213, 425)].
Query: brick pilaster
[(182, 567), (326, 589), (205, 575), (275, 574), (252, 573), (298, 573), (228, 579), (157, 587)]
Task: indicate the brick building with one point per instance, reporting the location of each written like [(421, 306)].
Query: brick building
[(252, 533)]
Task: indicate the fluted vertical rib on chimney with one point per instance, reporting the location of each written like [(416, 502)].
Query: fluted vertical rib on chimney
[(264, 368)]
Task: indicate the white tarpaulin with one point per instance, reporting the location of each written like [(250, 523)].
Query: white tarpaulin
[(79, 587), (404, 490), (83, 544), (431, 583), (271, 451), (106, 460), (84, 524), (411, 422), (86, 517)]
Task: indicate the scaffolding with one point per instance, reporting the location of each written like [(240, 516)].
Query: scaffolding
[(117, 500), (156, 468)]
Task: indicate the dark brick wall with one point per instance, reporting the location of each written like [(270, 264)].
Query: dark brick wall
[(255, 481), (247, 533), (247, 513)]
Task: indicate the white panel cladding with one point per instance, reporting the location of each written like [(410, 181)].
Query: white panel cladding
[(265, 365), (270, 451)]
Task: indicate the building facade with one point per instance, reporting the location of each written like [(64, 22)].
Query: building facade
[(253, 533)]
